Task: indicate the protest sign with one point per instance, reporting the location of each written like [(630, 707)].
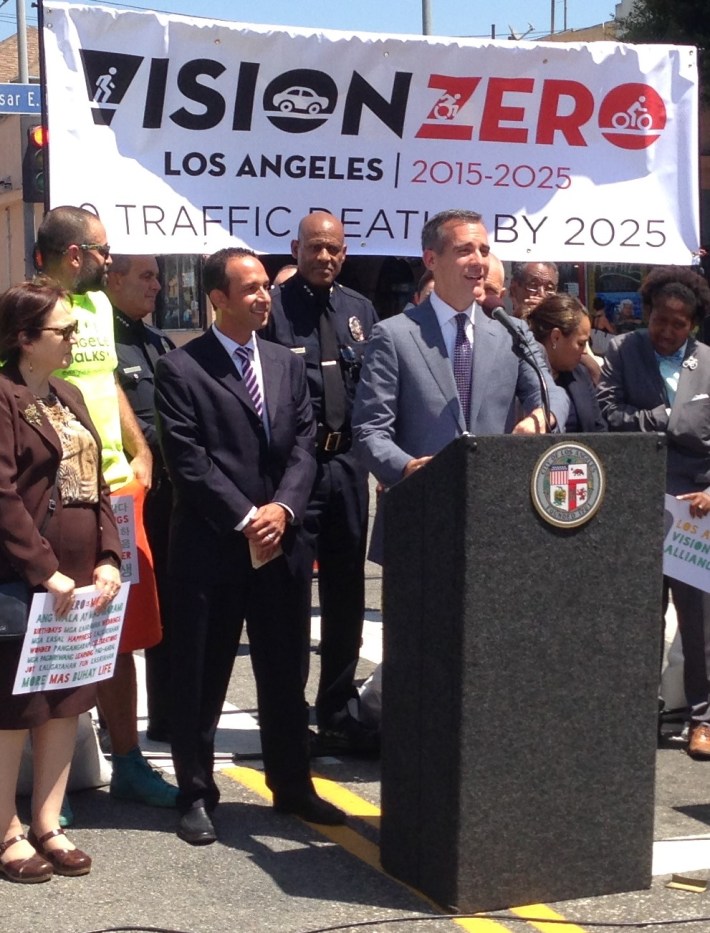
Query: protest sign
[(124, 512), (686, 549), (79, 648)]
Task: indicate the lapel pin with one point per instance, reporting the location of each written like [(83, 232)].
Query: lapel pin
[(690, 363), (32, 415)]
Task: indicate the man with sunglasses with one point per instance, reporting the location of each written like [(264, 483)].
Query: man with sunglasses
[(328, 326), (71, 248)]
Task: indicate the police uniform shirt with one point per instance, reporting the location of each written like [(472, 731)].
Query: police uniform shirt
[(138, 347), (294, 323)]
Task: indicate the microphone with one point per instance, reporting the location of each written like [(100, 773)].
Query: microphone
[(503, 318), (491, 305), (521, 348)]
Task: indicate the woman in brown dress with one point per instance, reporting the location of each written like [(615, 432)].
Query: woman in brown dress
[(48, 449)]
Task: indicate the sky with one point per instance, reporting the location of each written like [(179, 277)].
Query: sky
[(385, 16)]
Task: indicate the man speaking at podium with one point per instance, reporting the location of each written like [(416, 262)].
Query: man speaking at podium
[(445, 368)]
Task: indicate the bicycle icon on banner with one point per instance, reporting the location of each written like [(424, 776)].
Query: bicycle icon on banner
[(636, 117)]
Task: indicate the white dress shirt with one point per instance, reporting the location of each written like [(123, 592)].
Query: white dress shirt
[(446, 316)]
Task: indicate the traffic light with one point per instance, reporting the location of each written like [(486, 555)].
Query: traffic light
[(34, 168)]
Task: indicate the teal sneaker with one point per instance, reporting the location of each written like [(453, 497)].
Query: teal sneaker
[(134, 779), (66, 814)]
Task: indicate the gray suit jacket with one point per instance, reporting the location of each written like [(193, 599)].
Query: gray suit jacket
[(407, 405), (632, 397)]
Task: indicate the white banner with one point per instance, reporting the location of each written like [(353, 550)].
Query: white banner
[(79, 648), (187, 135)]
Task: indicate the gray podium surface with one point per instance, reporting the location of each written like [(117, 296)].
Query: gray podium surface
[(520, 680)]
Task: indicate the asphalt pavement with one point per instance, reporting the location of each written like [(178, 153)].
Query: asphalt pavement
[(271, 872)]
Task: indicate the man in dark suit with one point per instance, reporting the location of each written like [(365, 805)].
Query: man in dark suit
[(236, 430), (444, 368), (132, 287)]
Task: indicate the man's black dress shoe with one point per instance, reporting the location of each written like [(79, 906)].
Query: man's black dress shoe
[(349, 737), (310, 807), (196, 827)]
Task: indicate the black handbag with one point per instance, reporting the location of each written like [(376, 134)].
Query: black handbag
[(16, 596)]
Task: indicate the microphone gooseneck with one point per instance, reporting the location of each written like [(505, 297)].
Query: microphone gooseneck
[(521, 348)]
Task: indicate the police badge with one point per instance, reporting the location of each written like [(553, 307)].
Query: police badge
[(356, 331)]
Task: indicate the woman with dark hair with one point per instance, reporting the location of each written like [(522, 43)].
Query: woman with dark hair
[(49, 452), (561, 324), (659, 380)]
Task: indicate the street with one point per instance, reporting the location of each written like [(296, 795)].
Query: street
[(270, 872)]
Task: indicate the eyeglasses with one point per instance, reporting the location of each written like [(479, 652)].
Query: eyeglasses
[(535, 286), (102, 248), (66, 333)]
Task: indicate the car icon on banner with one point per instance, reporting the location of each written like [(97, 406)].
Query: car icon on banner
[(301, 100)]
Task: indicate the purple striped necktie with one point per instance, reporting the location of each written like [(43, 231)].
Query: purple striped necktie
[(463, 368), (249, 376)]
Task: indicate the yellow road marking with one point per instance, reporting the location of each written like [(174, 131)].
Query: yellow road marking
[(344, 836), (545, 913), (369, 853), (481, 925)]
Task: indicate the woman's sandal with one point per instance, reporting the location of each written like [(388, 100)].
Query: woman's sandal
[(30, 870), (70, 862)]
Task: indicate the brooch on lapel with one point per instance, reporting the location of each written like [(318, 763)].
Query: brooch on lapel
[(32, 415), (690, 363)]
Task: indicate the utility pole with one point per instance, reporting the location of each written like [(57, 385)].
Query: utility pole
[(28, 210), (426, 17), (22, 65), (552, 17)]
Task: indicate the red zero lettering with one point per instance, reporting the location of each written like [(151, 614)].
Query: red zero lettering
[(630, 116), (495, 113), (441, 120), (550, 120)]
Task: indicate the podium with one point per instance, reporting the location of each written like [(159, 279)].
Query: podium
[(520, 677)]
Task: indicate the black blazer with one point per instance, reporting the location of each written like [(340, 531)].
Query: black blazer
[(633, 397), (584, 412), (216, 449)]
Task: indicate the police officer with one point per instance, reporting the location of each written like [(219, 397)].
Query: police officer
[(132, 287), (328, 326)]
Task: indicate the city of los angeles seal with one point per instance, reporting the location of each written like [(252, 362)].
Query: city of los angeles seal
[(567, 485)]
